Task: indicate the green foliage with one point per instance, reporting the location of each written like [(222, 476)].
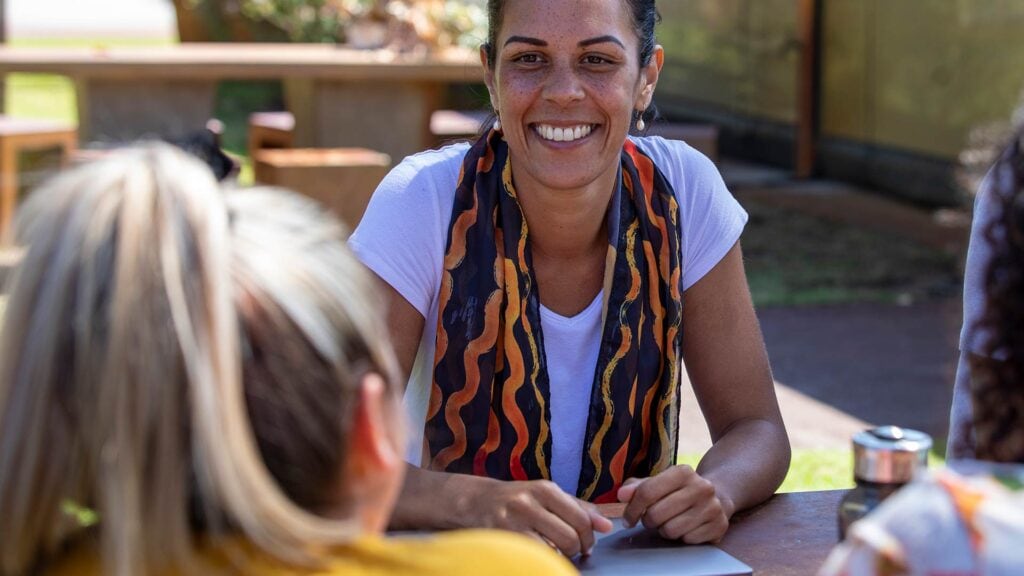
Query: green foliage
[(83, 516), (306, 20), (437, 23)]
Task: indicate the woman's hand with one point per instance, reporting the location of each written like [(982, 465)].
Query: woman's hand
[(679, 504), (441, 500), (538, 508)]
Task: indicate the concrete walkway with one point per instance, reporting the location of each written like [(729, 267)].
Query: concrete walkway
[(839, 369)]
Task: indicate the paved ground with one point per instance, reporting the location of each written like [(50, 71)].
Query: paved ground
[(839, 369)]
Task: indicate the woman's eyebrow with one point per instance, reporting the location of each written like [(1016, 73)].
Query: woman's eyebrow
[(525, 40), (601, 40)]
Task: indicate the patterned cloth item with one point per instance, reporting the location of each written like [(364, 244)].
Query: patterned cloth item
[(489, 405), (945, 524)]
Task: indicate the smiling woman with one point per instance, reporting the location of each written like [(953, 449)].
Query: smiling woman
[(537, 281)]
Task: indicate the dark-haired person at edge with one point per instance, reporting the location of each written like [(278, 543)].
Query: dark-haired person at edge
[(961, 441), (969, 519), (547, 284)]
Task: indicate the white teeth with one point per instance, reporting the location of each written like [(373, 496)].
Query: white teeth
[(563, 134)]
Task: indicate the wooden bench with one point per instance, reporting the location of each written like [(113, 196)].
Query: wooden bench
[(342, 179), (270, 130), (450, 126), (19, 135)]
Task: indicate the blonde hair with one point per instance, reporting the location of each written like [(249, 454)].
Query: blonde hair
[(128, 329)]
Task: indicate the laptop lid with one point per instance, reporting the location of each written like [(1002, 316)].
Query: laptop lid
[(632, 551)]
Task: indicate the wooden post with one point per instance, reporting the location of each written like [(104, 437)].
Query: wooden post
[(3, 40), (808, 87)]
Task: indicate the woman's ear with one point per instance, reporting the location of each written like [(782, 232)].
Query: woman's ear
[(375, 466), (377, 437), (489, 78), (649, 78)]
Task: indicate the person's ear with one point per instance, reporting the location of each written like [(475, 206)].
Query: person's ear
[(649, 78), (375, 448), (489, 78)]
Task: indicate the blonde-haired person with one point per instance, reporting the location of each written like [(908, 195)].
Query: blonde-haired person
[(209, 372)]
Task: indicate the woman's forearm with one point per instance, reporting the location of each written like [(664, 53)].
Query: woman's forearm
[(435, 500), (748, 463)]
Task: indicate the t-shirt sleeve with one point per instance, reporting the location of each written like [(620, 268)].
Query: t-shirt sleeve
[(979, 255), (710, 217), (401, 236)]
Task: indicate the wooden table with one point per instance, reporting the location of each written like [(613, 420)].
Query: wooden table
[(340, 97), (790, 535), (19, 135)]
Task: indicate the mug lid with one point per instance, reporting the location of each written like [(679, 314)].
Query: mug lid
[(889, 454)]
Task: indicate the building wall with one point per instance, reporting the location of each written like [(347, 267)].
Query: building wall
[(903, 82)]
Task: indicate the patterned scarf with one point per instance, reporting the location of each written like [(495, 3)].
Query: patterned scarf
[(489, 404)]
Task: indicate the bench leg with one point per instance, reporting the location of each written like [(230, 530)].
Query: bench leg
[(8, 188)]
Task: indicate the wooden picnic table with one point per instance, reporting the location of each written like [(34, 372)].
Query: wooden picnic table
[(340, 96), (789, 535)]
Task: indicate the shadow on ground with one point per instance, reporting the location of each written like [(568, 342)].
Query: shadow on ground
[(859, 301)]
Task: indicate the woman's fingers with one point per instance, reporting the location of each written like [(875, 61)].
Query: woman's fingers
[(679, 504), (628, 488), (598, 521), (571, 512), (540, 507), (701, 522), (559, 533), (649, 491)]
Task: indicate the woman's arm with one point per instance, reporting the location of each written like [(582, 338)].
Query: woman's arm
[(439, 500), (728, 366), (726, 360)]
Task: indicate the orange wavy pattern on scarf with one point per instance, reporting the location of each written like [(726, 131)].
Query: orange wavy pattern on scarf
[(488, 412)]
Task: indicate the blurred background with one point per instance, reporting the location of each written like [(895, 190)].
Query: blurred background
[(853, 132)]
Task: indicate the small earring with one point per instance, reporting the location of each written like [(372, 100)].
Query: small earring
[(640, 124), (497, 124)]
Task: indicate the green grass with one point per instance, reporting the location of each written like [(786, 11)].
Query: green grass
[(51, 96), (817, 469), (793, 259), (45, 96)]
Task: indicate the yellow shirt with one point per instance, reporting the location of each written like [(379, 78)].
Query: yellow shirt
[(443, 554)]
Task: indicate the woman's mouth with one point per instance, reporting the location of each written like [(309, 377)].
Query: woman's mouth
[(563, 134)]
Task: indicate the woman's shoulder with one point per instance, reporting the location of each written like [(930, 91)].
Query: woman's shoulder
[(439, 165), (419, 190), (481, 552), (667, 153)]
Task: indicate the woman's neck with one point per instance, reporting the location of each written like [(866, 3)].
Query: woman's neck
[(566, 224)]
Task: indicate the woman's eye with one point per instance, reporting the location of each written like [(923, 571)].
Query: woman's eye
[(527, 59), (596, 60)]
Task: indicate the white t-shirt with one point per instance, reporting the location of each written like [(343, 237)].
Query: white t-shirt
[(960, 443), (402, 238)]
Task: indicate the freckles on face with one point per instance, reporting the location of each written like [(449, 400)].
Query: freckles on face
[(566, 81)]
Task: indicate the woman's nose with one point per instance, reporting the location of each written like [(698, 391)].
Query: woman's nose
[(563, 85)]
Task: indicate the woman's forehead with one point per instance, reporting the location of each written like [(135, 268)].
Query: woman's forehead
[(552, 20)]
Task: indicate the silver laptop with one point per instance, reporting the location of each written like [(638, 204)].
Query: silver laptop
[(640, 551)]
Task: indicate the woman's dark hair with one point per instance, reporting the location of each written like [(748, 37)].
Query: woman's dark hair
[(645, 18), (998, 382)]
